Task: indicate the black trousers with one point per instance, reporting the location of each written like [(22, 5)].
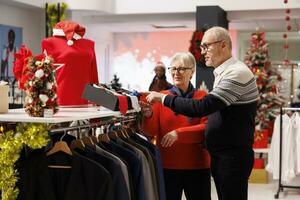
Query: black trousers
[(231, 170), (195, 183)]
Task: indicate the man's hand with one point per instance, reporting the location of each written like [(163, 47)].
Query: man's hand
[(146, 109), (169, 139), (154, 97)]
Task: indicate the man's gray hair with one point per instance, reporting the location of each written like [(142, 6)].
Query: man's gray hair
[(221, 34)]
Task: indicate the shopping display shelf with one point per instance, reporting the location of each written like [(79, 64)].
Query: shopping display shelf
[(65, 114)]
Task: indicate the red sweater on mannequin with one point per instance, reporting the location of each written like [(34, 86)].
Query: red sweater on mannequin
[(187, 152), (78, 58), (80, 67)]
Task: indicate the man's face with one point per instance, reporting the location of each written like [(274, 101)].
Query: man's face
[(11, 38), (212, 50)]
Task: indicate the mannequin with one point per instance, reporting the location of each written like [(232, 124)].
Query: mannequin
[(78, 60)]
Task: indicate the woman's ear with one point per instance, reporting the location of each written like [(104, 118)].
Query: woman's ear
[(193, 71)]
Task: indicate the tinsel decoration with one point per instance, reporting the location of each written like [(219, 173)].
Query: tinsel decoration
[(267, 78), (37, 74), (31, 134)]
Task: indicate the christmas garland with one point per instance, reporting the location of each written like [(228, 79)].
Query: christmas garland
[(11, 143)]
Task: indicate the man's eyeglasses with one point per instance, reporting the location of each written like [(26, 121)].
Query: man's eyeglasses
[(205, 46), (180, 70)]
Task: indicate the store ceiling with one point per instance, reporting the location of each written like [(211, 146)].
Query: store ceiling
[(268, 20), (243, 20)]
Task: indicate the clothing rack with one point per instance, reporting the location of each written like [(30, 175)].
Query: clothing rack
[(121, 119), (280, 184)]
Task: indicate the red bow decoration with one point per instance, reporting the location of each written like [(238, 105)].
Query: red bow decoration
[(20, 65)]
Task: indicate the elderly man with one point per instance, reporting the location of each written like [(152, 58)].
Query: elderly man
[(231, 109)]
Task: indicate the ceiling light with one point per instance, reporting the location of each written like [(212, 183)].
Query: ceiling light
[(168, 26)]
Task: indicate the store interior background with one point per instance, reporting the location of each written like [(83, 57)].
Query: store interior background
[(128, 44)]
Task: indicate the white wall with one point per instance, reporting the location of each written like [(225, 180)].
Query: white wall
[(31, 20), (103, 49)]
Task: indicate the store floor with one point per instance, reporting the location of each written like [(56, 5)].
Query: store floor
[(265, 192)]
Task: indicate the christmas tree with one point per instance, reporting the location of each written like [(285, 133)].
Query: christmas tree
[(267, 78)]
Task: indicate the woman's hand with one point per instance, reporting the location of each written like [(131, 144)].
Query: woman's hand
[(169, 139), (146, 109), (154, 97)]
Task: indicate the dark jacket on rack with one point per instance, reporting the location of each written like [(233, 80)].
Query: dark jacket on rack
[(121, 192), (86, 180), (134, 168), (156, 154)]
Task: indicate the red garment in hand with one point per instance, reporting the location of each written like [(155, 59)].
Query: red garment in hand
[(80, 67)]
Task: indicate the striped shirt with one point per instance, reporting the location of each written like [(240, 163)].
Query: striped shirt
[(234, 83)]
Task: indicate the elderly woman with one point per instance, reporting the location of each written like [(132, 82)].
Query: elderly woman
[(180, 138)]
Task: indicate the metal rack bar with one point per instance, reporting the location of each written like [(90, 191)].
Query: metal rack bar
[(280, 185), (123, 119)]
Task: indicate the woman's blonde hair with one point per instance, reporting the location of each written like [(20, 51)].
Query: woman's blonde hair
[(186, 58)]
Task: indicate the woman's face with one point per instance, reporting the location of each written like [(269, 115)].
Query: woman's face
[(159, 71), (181, 74)]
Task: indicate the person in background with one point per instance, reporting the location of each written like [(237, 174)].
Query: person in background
[(8, 57), (159, 81), (231, 107), (179, 138)]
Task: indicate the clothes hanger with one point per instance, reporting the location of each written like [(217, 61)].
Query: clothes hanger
[(88, 141), (60, 146), (103, 137), (121, 134), (123, 130), (78, 143), (93, 136), (128, 130), (113, 135)]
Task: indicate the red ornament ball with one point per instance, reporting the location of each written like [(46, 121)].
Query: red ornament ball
[(289, 27), (287, 18), (285, 1), (284, 35), (286, 61), (286, 46), (287, 11)]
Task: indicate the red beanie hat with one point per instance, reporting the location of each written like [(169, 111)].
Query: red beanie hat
[(160, 64), (71, 30)]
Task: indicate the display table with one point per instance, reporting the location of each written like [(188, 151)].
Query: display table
[(63, 115)]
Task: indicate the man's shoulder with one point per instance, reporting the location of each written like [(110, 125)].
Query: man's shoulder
[(238, 72)]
